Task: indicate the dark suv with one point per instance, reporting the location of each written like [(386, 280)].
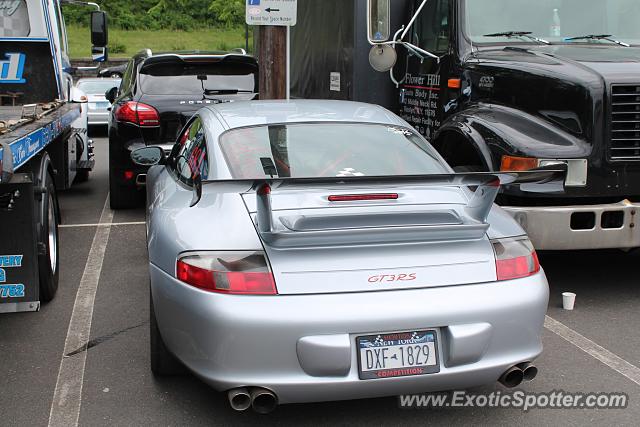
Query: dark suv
[(158, 95)]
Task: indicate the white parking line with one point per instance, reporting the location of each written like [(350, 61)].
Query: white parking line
[(114, 224), (67, 397), (616, 363)]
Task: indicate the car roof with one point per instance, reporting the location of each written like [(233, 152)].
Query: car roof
[(252, 113), (96, 79)]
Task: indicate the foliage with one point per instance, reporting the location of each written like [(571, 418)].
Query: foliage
[(183, 15), (126, 43), (228, 12)]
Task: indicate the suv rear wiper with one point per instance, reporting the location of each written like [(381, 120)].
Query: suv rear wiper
[(225, 91), (519, 34), (606, 37)]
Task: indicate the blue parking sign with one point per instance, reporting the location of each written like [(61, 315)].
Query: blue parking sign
[(253, 2)]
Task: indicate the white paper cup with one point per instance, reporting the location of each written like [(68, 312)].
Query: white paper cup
[(568, 300)]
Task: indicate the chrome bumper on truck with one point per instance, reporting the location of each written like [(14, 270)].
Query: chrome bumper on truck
[(613, 226)]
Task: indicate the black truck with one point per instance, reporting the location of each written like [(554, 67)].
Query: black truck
[(500, 85)]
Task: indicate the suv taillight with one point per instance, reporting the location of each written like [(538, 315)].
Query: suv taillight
[(238, 273), (515, 258), (139, 114)]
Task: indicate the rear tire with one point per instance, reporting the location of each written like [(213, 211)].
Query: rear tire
[(121, 197), (163, 363), (49, 261), (82, 176)]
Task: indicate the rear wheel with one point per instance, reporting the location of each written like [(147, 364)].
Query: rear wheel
[(163, 363), (82, 176), (49, 258), (120, 196)]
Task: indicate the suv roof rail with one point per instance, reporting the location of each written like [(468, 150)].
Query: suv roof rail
[(239, 50)]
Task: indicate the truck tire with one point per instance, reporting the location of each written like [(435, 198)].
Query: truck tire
[(163, 363), (49, 258)]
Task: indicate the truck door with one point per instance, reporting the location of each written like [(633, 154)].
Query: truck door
[(424, 96)]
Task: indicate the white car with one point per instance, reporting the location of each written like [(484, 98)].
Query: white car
[(95, 88)]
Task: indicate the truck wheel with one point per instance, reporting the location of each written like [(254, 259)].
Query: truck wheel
[(163, 363), (49, 261), (121, 197)]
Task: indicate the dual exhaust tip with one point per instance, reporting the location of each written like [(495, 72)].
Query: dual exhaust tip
[(261, 400), (515, 375), (264, 401)]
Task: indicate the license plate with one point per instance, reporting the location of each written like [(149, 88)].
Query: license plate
[(98, 105), (399, 354)]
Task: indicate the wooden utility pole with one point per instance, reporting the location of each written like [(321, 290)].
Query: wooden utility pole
[(272, 54)]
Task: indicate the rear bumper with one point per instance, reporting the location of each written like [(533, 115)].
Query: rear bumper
[(608, 226), (98, 118), (302, 347)]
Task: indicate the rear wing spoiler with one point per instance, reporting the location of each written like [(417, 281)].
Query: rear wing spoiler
[(477, 210)]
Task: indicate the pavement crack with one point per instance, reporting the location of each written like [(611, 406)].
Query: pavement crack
[(97, 341)]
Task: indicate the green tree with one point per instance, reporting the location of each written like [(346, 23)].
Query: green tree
[(229, 12)]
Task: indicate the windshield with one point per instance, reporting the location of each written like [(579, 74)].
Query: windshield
[(327, 150), (553, 20), (196, 79), (98, 88)]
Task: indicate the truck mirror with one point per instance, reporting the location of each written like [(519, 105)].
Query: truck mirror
[(99, 54), (379, 20), (382, 57), (99, 29), (6, 163)]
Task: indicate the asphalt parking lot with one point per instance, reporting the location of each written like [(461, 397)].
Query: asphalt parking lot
[(595, 349)]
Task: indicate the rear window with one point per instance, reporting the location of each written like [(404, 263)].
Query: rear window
[(327, 150), (195, 79), (14, 19), (97, 87)]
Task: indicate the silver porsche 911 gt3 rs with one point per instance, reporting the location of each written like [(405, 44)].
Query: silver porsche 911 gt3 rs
[(316, 250)]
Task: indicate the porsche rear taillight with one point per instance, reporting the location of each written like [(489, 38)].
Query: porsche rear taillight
[(515, 258), (139, 114), (237, 273)]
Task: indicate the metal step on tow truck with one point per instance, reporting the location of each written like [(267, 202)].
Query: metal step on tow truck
[(44, 145), (500, 85)]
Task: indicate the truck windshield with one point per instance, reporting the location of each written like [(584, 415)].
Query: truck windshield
[(553, 20), (322, 150)]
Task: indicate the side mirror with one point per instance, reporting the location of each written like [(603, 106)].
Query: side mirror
[(379, 20), (78, 96), (148, 156), (111, 94), (99, 36), (99, 29), (6, 162)]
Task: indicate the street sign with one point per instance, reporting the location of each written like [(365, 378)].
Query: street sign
[(272, 12)]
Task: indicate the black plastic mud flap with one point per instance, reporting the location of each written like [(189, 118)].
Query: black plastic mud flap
[(19, 290)]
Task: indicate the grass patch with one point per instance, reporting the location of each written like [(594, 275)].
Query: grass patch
[(128, 43)]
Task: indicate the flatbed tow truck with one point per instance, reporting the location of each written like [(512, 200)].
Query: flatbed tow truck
[(44, 146)]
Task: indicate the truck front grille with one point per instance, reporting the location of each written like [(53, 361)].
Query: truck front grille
[(625, 123)]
